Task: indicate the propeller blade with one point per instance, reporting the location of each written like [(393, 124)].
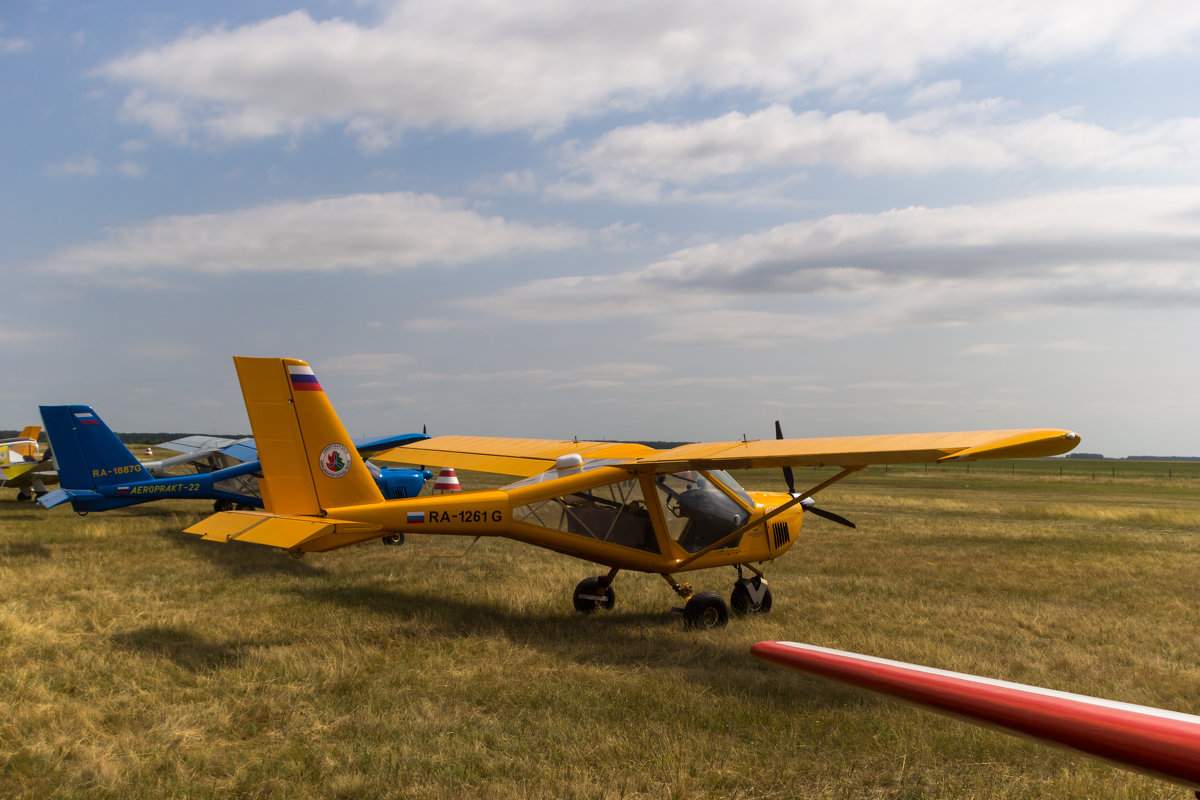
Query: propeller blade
[(788, 477), (832, 517), (807, 503)]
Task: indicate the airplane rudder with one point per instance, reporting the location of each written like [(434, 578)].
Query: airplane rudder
[(107, 457), (309, 461), (341, 476), (74, 471)]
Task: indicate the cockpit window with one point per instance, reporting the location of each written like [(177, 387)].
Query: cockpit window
[(697, 508), (614, 513), (727, 480)]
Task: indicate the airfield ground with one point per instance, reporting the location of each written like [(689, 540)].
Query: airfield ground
[(140, 662)]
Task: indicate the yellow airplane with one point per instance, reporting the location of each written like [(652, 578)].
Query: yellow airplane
[(21, 464), (25, 445), (625, 506)]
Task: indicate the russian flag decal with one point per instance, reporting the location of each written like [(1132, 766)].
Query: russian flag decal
[(303, 379), (415, 516)]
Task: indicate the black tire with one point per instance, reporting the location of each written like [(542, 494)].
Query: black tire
[(706, 610), (22, 496), (222, 505), (741, 602), (588, 590)]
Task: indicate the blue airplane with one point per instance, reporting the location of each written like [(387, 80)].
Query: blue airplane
[(97, 472)]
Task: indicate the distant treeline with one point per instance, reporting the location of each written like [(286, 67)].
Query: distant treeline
[(1098, 457), (1162, 458)]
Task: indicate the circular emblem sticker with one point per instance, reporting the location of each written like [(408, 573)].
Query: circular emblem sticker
[(335, 460)]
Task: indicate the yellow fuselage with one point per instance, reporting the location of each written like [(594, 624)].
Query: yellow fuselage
[(494, 513)]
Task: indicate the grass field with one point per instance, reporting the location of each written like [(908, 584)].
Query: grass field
[(140, 662)]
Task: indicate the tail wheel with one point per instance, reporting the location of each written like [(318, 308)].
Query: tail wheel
[(706, 610), (750, 596), (593, 593)]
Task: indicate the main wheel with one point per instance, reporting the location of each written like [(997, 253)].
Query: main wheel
[(591, 593), (706, 610), (742, 600)]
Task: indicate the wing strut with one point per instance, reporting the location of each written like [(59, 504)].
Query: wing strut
[(799, 498)]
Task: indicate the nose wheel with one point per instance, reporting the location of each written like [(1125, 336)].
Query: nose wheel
[(701, 610), (750, 596)]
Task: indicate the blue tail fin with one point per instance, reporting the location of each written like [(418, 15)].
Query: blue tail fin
[(88, 453)]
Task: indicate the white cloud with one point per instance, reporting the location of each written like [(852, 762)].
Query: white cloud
[(86, 167), (935, 93), (641, 163), (132, 169), (519, 182), (379, 232), (1010, 349), (9, 46), (373, 364), (503, 66), (1124, 247)]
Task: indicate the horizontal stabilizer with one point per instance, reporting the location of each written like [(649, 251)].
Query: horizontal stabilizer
[(60, 496), (273, 531), (365, 446)]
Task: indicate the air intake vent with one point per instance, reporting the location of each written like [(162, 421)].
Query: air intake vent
[(782, 536)]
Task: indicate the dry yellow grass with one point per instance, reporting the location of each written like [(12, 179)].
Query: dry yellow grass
[(141, 662)]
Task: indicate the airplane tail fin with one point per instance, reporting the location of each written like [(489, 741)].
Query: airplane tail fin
[(88, 453), (309, 462)]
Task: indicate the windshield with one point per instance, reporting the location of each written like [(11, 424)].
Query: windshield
[(699, 511), (725, 479)]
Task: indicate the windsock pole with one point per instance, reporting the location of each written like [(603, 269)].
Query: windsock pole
[(1164, 744)]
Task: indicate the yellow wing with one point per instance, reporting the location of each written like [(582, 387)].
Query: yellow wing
[(520, 457), (526, 457), (850, 451)]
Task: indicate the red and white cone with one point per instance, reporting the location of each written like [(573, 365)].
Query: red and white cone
[(149, 453), (446, 481)]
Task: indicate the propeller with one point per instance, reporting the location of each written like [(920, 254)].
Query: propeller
[(808, 503)]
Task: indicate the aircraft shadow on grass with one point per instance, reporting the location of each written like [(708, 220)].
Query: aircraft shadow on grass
[(182, 647), (703, 664), (23, 549)]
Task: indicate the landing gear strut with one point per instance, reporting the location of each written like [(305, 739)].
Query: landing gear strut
[(702, 609), (750, 595)]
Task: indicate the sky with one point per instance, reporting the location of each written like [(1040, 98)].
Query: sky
[(678, 220)]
